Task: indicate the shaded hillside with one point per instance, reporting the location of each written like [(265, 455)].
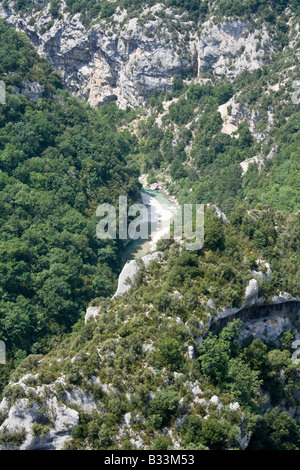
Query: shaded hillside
[(59, 159)]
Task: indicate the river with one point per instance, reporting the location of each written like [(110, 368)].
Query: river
[(160, 215)]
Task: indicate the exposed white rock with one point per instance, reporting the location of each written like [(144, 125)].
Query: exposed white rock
[(148, 346), (137, 442), (226, 312), (196, 390), (177, 375), (215, 400), (181, 401), (92, 312), (219, 213), (228, 126), (191, 352), (243, 440), (234, 406), (284, 297), (4, 405), (251, 294), (108, 388), (245, 164), (268, 328), (31, 90), (177, 294), (264, 269), (150, 368), (210, 303), (22, 415), (180, 420), (130, 269), (95, 379), (126, 277), (201, 401), (83, 400), (127, 419), (152, 256)]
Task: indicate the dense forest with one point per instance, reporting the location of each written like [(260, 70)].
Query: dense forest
[(59, 159)]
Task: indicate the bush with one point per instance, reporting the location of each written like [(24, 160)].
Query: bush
[(163, 406), (191, 429), (276, 431)]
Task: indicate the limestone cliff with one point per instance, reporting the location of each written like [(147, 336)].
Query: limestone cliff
[(126, 59)]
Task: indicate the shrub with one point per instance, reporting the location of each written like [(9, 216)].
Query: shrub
[(163, 406)]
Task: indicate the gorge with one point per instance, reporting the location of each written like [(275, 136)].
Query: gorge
[(122, 345)]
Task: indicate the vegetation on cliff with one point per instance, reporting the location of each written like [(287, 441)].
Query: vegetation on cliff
[(59, 159), (153, 375)]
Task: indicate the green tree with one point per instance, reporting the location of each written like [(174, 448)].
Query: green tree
[(191, 430), (275, 431), (256, 356), (214, 358), (163, 406), (244, 382)]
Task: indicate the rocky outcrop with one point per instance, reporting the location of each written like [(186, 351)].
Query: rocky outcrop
[(260, 319), (251, 298), (31, 90), (266, 321), (270, 325), (129, 271), (126, 59), (126, 277)]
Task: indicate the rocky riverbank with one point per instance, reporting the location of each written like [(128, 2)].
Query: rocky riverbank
[(159, 217)]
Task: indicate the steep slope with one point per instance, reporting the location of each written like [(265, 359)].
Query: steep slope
[(126, 51), (221, 127), (59, 159)]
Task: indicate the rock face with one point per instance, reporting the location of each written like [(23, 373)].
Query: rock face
[(251, 294), (269, 328), (251, 298), (264, 321), (31, 90), (126, 59), (56, 419)]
